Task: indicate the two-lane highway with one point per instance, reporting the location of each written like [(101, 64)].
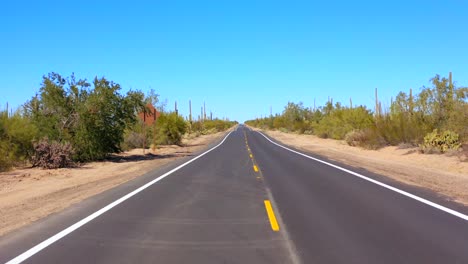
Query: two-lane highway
[(247, 200)]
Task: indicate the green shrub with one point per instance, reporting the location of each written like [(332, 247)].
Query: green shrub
[(196, 127), (217, 125), (279, 123), (169, 129), (355, 138), (7, 158), (212, 126), (209, 131), (436, 142), (93, 116), (341, 120), (366, 138), (401, 128), (16, 136), (458, 120), (135, 136)]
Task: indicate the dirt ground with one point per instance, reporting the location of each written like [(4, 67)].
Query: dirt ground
[(29, 194), (447, 175)]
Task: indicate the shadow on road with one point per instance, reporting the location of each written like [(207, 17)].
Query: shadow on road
[(148, 156)]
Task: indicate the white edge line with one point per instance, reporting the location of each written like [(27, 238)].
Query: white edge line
[(27, 254), (407, 194)]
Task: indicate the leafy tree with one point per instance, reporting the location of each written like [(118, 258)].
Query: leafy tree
[(55, 110), (103, 119), (92, 117)]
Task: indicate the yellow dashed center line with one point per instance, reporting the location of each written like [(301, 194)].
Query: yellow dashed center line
[(268, 207), (271, 216)]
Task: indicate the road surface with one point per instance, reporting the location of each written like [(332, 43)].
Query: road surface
[(250, 200)]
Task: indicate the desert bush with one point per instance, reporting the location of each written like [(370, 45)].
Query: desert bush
[(16, 136), (339, 121), (196, 127), (458, 120), (133, 140), (6, 157), (279, 123), (137, 135), (52, 154), (169, 129), (366, 138), (91, 116), (401, 128), (436, 142), (209, 131), (356, 137), (217, 125), (212, 126)]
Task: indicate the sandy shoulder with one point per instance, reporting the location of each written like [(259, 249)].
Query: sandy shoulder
[(29, 194), (447, 175)]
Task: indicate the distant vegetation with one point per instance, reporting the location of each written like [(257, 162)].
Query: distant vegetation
[(170, 129), (72, 120), (211, 126), (436, 119)]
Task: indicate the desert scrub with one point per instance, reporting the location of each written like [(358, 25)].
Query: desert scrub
[(52, 154), (16, 136), (356, 138), (169, 129), (365, 138), (209, 131), (436, 142)]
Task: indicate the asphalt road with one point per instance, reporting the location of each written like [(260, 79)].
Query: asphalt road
[(215, 209)]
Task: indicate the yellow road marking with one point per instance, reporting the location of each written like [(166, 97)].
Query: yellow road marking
[(251, 156), (271, 216), (255, 168)]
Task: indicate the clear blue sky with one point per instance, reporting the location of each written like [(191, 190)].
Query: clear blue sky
[(241, 57)]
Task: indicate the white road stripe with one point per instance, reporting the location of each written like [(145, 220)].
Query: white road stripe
[(407, 194), (24, 256)]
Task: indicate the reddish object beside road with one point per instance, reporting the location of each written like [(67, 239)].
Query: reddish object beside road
[(150, 116)]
